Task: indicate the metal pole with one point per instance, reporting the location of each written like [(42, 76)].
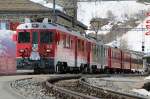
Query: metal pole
[(143, 36), (54, 12)]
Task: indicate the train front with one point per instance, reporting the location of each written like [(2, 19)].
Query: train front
[(35, 47)]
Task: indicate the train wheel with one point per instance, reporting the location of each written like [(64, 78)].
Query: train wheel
[(94, 69), (82, 68)]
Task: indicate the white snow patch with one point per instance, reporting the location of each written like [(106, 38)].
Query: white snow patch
[(142, 92), (147, 78)]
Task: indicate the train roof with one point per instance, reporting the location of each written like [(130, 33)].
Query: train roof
[(38, 25)]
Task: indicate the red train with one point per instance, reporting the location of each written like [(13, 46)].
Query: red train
[(53, 48)]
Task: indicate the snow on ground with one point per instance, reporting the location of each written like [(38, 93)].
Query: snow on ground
[(143, 91)]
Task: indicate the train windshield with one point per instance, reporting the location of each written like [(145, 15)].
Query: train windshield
[(35, 37), (46, 37), (24, 37)]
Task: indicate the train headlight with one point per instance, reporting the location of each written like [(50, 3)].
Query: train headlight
[(21, 50), (48, 50)]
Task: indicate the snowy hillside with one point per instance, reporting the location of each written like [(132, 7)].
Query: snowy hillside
[(120, 9)]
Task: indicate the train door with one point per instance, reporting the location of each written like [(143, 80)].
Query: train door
[(35, 45)]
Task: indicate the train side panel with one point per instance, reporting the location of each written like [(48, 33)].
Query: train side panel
[(65, 51)]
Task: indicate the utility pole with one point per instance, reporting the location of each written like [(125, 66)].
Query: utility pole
[(54, 12), (74, 12)]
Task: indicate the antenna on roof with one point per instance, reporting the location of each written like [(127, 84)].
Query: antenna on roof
[(45, 20), (27, 20)]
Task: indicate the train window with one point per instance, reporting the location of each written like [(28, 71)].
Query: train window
[(104, 52), (34, 37), (46, 37), (97, 50), (83, 46), (79, 45), (23, 37), (67, 42), (94, 49), (71, 43)]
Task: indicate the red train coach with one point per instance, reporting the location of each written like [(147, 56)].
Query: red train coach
[(51, 48)]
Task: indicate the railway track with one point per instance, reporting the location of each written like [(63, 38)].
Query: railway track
[(68, 87)]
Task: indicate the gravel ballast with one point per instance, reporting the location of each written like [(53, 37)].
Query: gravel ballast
[(31, 89)]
